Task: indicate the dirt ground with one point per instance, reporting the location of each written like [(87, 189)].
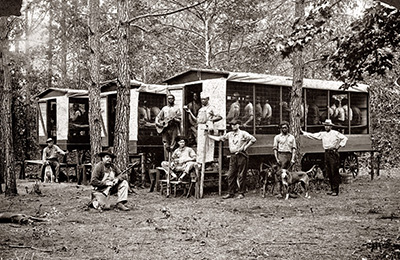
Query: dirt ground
[(362, 223)]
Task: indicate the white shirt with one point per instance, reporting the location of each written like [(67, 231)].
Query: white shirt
[(330, 140)]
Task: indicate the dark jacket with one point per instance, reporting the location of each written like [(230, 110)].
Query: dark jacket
[(98, 174)]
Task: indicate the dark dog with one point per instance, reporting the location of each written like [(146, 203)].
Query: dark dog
[(289, 178), (269, 177)]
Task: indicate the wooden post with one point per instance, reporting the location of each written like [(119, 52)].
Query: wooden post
[(169, 172), (372, 165), (142, 167), (220, 168), (203, 164)]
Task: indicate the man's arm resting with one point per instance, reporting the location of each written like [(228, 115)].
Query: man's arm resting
[(215, 138)]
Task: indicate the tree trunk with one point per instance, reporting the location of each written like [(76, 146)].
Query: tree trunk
[(50, 48), (64, 44), (7, 136), (296, 93), (94, 88), (123, 89)]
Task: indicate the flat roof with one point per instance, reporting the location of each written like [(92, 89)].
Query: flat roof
[(197, 75)]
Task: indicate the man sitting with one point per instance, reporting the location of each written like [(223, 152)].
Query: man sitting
[(183, 159), (50, 153), (106, 180)]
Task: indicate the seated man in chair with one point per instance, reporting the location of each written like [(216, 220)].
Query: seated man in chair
[(183, 159)]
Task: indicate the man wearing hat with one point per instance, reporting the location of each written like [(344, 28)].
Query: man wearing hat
[(183, 159), (234, 110), (169, 120), (239, 142), (106, 180), (332, 141), (206, 118), (49, 157)]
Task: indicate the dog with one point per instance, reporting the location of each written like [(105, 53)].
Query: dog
[(48, 174), (290, 178), (268, 176)]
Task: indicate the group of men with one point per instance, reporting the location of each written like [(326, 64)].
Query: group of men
[(332, 140), (185, 159), (260, 113), (341, 113), (107, 179)]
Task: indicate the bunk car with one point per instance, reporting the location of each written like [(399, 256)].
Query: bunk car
[(145, 103), (56, 107), (259, 89), (56, 119)]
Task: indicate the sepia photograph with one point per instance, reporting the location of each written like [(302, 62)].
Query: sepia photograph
[(200, 129)]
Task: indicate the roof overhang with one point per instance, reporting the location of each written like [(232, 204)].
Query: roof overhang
[(57, 92)]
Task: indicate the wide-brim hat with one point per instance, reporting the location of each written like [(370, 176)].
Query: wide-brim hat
[(49, 140), (236, 121), (182, 137), (328, 122), (108, 152), (204, 95)]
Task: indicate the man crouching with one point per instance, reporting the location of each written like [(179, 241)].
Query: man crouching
[(106, 180)]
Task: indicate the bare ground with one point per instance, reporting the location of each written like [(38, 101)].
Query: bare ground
[(323, 227)]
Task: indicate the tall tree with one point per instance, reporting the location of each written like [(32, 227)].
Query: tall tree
[(50, 47), (94, 87), (64, 43), (123, 88), (297, 85), (6, 115)]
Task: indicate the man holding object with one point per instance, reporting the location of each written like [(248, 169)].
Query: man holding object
[(106, 180)]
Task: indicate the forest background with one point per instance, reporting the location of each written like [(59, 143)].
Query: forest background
[(349, 40)]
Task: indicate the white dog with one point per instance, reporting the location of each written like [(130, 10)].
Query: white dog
[(48, 174)]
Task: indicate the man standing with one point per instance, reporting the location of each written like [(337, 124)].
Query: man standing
[(50, 158), (206, 118), (239, 142), (168, 123), (106, 180), (267, 112), (248, 112), (234, 110), (332, 141), (284, 147), (258, 110), (194, 107), (348, 112)]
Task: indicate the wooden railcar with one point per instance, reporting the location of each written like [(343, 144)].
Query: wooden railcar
[(259, 89), (57, 107)]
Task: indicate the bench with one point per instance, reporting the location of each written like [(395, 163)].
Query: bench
[(40, 163)]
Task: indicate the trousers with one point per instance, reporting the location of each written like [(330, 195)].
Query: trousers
[(332, 163), (237, 173)]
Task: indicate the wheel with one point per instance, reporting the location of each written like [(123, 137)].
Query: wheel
[(351, 165)]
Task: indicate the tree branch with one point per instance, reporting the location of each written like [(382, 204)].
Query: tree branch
[(183, 29), (156, 15), (167, 13)]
